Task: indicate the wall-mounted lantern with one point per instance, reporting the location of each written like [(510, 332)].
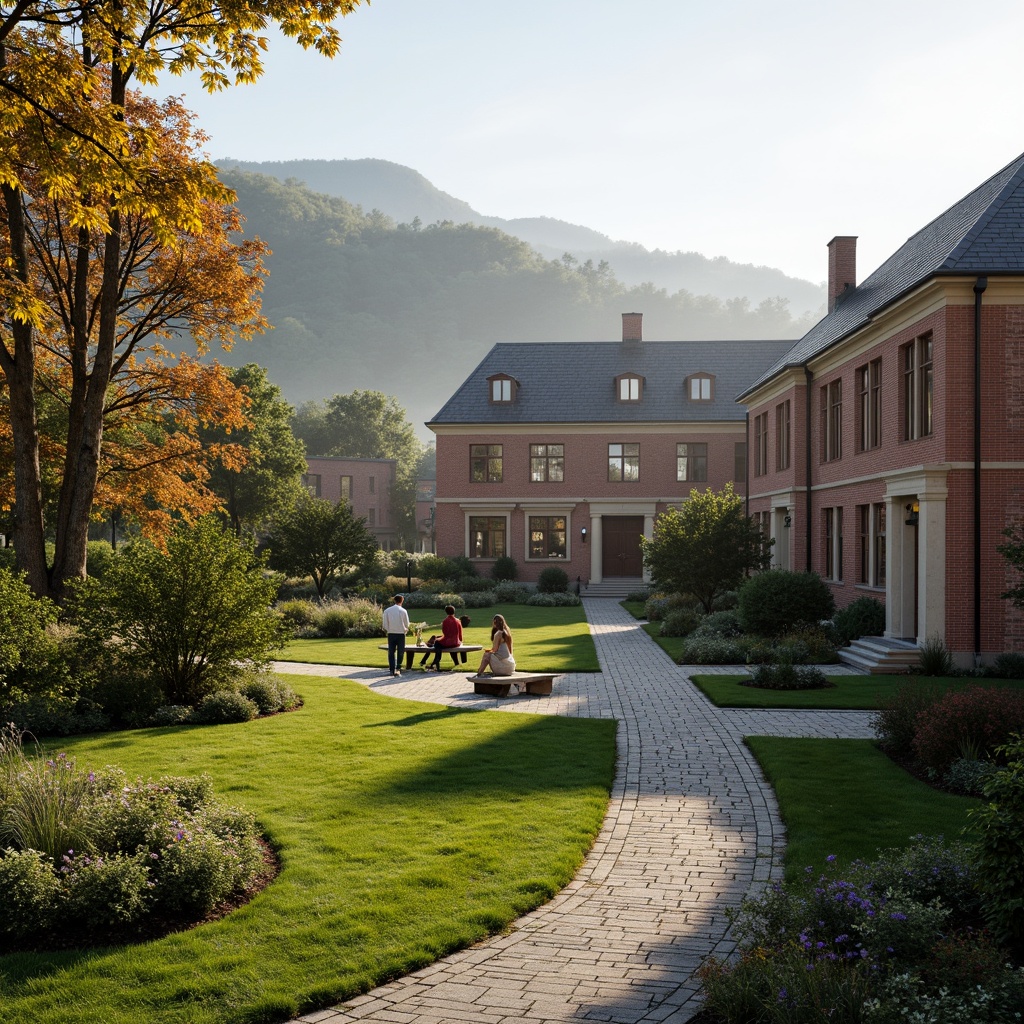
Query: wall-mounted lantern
[(583, 535), (913, 513), (787, 522)]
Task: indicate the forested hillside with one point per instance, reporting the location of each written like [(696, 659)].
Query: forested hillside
[(360, 302), (405, 195)]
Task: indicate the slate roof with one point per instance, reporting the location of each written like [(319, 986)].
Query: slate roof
[(574, 381), (981, 234)]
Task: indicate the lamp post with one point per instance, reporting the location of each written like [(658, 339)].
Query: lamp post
[(408, 575)]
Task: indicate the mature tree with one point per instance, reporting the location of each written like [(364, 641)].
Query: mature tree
[(320, 539), (191, 614), (74, 146), (268, 483), (705, 547)]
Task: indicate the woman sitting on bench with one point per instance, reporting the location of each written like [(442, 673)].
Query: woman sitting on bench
[(499, 657)]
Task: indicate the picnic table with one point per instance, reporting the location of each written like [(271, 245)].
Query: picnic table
[(458, 653)]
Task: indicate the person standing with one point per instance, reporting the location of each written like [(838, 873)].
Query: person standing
[(450, 638), (396, 624)]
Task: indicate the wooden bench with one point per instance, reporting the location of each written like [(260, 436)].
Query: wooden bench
[(458, 654), (538, 683)]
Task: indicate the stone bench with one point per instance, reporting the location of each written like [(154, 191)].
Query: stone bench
[(538, 683)]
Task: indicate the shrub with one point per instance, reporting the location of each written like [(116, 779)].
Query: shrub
[(473, 584), (724, 623), (434, 567), (638, 595), (171, 714), (297, 613), (262, 690), (511, 593), (23, 622), (777, 600), (896, 724), (554, 600), (655, 608), (999, 824), (727, 601), (934, 658), (29, 894), (399, 585), (863, 617), (969, 723), (109, 891), (355, 617), (224, 707), (553, 580), (680, 622), (333, 621), (481, 599), (808, 645), (189, 615), (784, 676), (98, 556), (504, 568), (708, 649), (1009, 666), (968, 776)]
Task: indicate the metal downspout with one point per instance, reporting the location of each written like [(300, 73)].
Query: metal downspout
[(746, 464), (979, 289), (809, 376)]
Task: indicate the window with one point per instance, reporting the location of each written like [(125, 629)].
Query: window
[(782, 436), (371, 517), (761, 444), (486, 536), (623, 462), (346, 488), (878, 569), (832, 421), (739, 462), (373, 485), (629, 387), (869, 404), (547, 536), (700, 387), (871, 539), (311, 481), (547, 463), (691, 462), (834, 544), (917, 388), (485, 463), (502, 389)]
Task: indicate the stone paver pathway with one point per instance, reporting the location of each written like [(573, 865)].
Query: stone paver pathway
[(691, 828)]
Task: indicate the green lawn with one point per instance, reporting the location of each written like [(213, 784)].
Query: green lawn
[(862, 693), (546, 640), (405, 830), (845, 797)]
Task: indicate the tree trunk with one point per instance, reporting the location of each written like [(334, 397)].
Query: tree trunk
[(19, 369)]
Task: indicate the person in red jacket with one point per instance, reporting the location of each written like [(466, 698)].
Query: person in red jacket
[(451, 636)]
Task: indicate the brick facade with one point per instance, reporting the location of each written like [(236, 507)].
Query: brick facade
[(368, 488)]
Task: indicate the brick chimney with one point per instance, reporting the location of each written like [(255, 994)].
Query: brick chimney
[(632, 327), (842, 267)]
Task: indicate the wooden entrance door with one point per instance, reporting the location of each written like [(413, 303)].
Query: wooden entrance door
[(620, 548)]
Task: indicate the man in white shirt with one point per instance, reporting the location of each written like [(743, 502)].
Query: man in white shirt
[(396, 625)]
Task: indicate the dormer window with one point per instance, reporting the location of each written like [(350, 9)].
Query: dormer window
[(502, 389), (700, 387), (629, 387)]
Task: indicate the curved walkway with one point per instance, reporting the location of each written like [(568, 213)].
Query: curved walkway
[(691, 828)]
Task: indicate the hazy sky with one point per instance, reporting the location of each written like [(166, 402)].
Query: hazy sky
[(746, 129)]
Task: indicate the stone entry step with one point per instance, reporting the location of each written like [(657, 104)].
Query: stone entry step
[(881, 655)]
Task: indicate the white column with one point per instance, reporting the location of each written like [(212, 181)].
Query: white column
[(893, 567), (931, 595), (595, 548)]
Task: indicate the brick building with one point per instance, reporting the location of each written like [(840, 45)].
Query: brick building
[(887, 446), (564, 453), (364, 483)]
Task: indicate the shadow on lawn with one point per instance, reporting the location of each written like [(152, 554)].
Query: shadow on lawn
[(542, 754)]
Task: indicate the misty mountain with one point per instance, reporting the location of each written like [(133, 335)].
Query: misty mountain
[(358, 301), (405, 195)]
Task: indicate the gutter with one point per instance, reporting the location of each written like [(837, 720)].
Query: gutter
[(809, 377), (979, 289), (746, 464)]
